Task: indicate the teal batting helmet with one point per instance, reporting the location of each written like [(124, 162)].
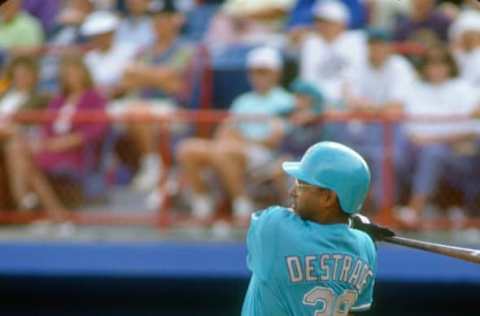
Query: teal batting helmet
[(335, 167)]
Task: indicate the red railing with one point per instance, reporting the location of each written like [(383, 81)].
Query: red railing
[(163, 217)]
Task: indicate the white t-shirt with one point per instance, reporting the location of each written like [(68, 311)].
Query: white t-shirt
[(11, 102), (469, 64), (135, 31), (448, 100), (391, 82), (330, 66), (107, 67)]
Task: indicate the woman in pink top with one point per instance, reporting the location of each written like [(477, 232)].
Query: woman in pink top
[(61, 145)]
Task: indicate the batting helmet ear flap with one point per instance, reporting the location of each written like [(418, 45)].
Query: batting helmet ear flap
[(335, 167)]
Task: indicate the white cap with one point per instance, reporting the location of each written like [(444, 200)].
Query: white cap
[(331, 10), (264, 57), (247, 7), (99, 22), (466, 21)]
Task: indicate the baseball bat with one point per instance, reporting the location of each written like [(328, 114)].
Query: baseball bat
[(466, 254)]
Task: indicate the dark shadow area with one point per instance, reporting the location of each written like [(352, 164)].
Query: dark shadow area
[(85, 296)]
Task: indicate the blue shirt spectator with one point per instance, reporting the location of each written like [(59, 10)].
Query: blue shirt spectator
[(276, 101), (136, 27), (302, 14), (424, 24)]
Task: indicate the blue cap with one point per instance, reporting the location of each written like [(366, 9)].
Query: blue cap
[(336, 167), (305, 88)]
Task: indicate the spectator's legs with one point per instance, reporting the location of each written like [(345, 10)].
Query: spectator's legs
[(24, 175), (231, 163), (16, 168), (429, 168), (193, 156), (151, 163)]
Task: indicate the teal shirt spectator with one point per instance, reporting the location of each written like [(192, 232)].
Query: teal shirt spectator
[(303, 268), (178, 57), (275, 103), (299, 137)]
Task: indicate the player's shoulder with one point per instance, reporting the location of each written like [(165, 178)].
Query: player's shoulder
[(268, 222), (365, 244), (273, 213)]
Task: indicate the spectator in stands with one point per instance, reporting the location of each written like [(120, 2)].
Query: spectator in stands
[(249, 22), (18, 29), (465, 38), (107, 60), (383, 14), (60, 147), (381, 83), (136, 27), (302, 15), (22, 93), (198, 17), (424, 24), (330, 56), (69, 21), (239, 146), (435, 145), (304, 128), (160, 69), (378, 86), (158, 76)]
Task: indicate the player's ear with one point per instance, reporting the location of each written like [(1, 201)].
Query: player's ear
[(330, 198)]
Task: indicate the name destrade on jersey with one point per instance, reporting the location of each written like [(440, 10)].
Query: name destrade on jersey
[(329, 267)]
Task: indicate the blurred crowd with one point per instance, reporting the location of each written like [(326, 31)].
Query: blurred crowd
[(279, 67)]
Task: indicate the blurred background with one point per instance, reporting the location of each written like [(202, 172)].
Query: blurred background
[(137, 136)]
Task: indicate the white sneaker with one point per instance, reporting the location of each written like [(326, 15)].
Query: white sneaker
[(457, 217), (242, 207), (407, 215), (221, 230), (29, 201), (155, 200), (149, 174), (41, 228), (64, 230), (202, 206)]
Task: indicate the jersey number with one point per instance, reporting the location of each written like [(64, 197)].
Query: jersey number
[(331, 305)]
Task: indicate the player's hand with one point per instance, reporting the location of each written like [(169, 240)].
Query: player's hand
[(375, 231)]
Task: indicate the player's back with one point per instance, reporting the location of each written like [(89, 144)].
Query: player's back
[(305, 268)]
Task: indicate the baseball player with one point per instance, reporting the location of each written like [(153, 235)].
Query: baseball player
[(307, 260)]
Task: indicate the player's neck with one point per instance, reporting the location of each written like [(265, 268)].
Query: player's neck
[(330, 217)]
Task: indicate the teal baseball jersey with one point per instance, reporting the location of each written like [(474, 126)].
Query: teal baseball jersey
[(302, 268)]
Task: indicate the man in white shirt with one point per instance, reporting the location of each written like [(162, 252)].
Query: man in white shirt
[(378, 86), (381, 83), (331, 55), (107, 60)]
